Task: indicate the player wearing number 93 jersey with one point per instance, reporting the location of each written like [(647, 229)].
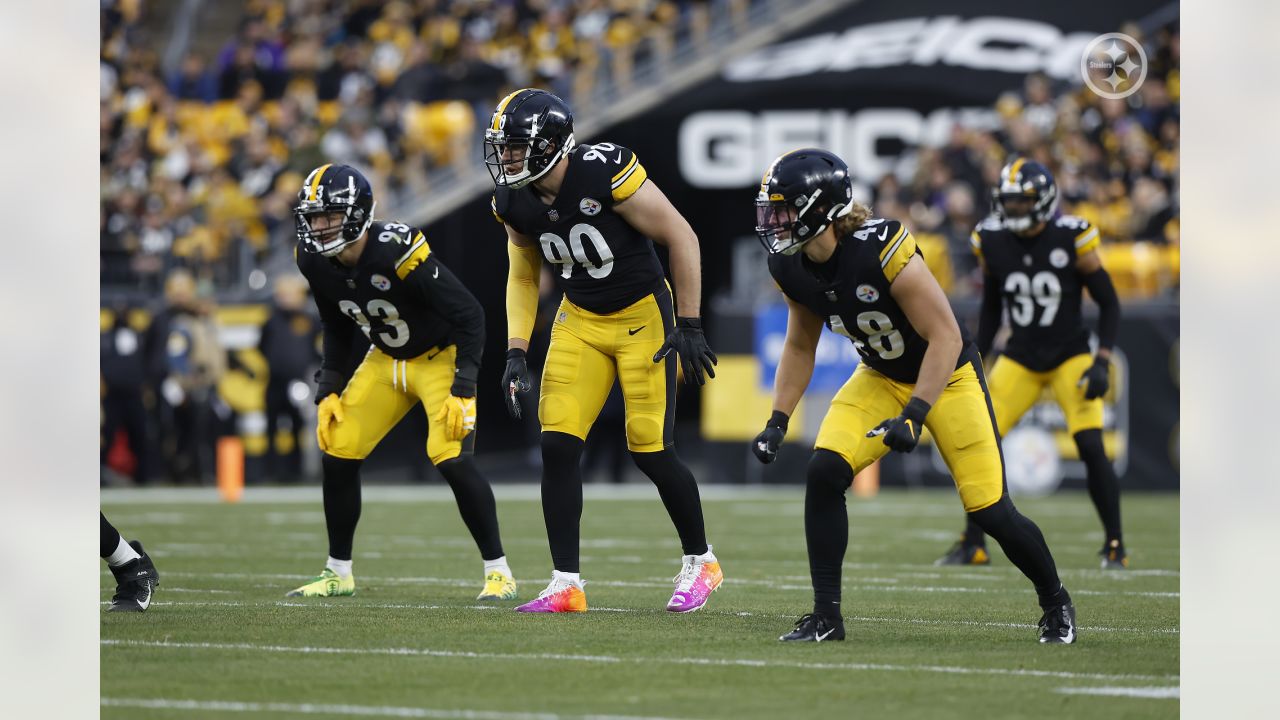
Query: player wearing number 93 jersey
[(1037, 264), (863, 278), (426, 333), (593, 214)]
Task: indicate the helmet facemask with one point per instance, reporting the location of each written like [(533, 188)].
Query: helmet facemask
[(785, 227), (330, 240), (532, 157)]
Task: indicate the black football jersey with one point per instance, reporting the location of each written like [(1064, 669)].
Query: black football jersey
[(850, 292), (1041, 287), (602, 264), (403, 299)]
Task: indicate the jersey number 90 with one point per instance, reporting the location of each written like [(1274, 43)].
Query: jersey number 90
[(567, 255)]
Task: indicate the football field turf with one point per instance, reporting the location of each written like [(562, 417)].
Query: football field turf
[(222, 641)]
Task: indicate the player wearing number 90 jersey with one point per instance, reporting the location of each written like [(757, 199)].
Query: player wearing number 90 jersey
[(862, 277), (427, 334), (1037, 264), (592, 213)]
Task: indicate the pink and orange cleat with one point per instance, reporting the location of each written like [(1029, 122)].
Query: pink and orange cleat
[(564, 594), (699, 577)]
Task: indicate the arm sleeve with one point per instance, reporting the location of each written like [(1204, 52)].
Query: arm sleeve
[(1103, 292), (897, 251), (627, 174), (989, 314), (446, 294), (522, 290)]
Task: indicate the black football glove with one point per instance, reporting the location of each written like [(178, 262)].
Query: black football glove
[(691, 345), (515, 379), (902, 433), (1096, 380), (328, 382), (765, 446)]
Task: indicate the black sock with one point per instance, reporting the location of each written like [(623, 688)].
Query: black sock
[(341, 503), (973, 535), (108, 539), (562, 497), (826, 527), (1024, 544), (679, 493), (1104, 486), (475, 503)]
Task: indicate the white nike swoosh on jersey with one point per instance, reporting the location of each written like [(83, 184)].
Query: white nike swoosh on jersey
[(436, 272), (884, 234), (823, 636), (618, 160)]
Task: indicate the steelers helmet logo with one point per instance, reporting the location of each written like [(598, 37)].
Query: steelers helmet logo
[(589, 206), (380, 282), (867, 294)]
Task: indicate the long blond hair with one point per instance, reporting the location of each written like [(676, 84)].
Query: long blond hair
[(852, 220)]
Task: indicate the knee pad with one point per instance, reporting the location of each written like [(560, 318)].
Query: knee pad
[(828, 473)]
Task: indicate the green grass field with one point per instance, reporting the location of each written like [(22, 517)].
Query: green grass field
[(220, 639)]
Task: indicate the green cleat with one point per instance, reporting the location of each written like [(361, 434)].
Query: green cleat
[(498, 586), (328, 584)]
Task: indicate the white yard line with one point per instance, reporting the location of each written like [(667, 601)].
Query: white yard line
[(351, 605), (651, 661), (347, 710), (1155, 693)]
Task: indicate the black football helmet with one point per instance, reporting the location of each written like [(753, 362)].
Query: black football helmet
[(531, 128), (801, 193), (1026, 196), (333, 189)]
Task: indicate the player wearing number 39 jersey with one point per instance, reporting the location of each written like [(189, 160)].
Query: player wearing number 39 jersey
[(426, 333), (592, 213), (864, 279), (1037, 264)]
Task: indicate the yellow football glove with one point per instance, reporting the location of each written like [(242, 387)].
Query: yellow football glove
[(458, 415), (330, 410)]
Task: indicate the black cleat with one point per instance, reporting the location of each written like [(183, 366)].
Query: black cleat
[(1113, 556), (815, 627), (1058, 624), (962, 554), (135, 581)]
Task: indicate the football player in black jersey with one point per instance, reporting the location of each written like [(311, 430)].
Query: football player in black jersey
[(1037, 263), (426, 333), (592, 213), (863, 277)]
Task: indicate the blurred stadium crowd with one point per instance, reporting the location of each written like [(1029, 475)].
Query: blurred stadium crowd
[(200, 166), (200, 169)]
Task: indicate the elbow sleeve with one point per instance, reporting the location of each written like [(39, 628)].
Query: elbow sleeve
[(1104, 293), (522, 290)]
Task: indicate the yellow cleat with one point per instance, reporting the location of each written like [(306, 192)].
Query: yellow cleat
[(498, 586), (328, 584)]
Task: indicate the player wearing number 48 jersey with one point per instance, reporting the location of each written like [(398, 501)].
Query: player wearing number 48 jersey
[(426, 333), (591, 211), (863, 278), (1037, 264)]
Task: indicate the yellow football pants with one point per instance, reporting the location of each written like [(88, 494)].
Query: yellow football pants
[(589, 350), (960, 421), (383, 389), (1014, 389)]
